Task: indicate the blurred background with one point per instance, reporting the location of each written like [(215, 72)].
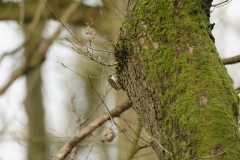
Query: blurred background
[(38, 94)]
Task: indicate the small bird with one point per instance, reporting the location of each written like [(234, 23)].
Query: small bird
[(113, 82)]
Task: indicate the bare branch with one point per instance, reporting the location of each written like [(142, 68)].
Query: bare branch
[(15, 75), (102, 102), (220, 4), (159, 144), (66, 149), (89, 152), (237, 90), (71, 9), (94, 110), (142, 140), (87, 54), (47, 43), (231, 60), (77, 114), (80, 73)]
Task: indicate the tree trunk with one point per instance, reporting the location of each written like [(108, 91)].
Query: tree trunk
[(169, 66), (35, 112)]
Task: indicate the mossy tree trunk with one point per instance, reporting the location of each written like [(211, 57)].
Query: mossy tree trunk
[(170, 68)]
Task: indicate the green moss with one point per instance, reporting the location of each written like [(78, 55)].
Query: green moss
[(187, 87)]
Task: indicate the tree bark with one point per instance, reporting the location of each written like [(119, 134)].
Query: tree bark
[(169, 66)]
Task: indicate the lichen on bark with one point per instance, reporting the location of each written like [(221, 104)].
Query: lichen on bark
[(169, 66)]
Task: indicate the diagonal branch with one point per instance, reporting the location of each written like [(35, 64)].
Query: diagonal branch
[(237, 90), (66, 149), (231, 60)]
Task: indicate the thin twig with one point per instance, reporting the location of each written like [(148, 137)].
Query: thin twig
[(125, 131), (77, 3), (65, 150), (62, 20), (72, 157), (117, 8), (102, 102), (80, 73), (105, 20), (142, 147), (15, 75), (237, 90), (90, 56), (145, 142), (94, 110), (220, 4), (74, 109), (89, 152), (159, 144), (112, 44)]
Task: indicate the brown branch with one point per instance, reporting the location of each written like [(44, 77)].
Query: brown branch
[(15, 75), (66, 149), (221, 3), (237, 90), (231, 60)]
